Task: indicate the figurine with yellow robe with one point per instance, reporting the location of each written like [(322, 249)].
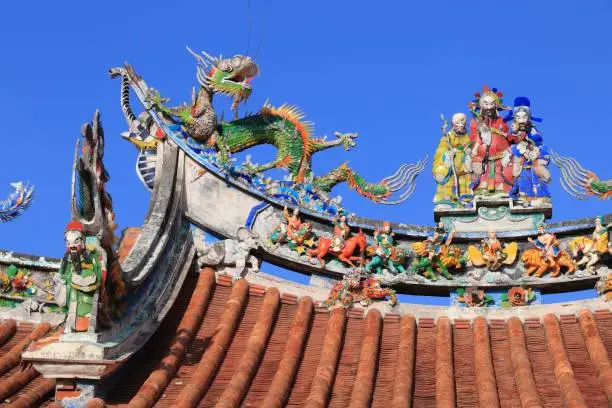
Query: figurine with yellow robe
[(452, 165), (589, 251), (493, 253)]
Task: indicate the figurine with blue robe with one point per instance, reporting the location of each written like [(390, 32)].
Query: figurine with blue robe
[(530, 157)]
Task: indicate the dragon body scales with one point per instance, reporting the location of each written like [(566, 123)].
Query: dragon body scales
[(283, 127)]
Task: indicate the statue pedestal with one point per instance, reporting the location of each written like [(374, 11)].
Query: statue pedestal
[(500, 214)]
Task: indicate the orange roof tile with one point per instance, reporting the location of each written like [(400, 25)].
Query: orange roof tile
[(229, 344)]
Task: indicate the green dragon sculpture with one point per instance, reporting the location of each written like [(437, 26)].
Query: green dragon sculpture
[(283, 127)]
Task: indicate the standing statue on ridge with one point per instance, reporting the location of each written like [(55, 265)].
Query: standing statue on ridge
[(530, 156), (490, 135), (83, 276), (452, 165)]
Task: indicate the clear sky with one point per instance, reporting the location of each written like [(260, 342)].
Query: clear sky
[(383, 69)]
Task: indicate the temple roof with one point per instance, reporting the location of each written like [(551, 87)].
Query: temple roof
[(19, 385), (230, 343)]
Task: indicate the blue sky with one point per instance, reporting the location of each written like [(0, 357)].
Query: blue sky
[(383, 69)]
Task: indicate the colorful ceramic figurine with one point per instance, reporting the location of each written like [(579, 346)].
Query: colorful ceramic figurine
[(452, 165), (385, 254), (435, 255), (297, 235), (341, 232), (588, 251), (547, 256), (283, 127), (82, 274), (489, 133), (344, 252), (493, 253), (356, 287), (530, 156)]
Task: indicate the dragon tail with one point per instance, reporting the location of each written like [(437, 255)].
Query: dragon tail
[(394, 189), (579, 182), (16, 202)]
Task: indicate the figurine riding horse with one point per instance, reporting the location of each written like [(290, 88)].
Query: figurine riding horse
[(345, 254)]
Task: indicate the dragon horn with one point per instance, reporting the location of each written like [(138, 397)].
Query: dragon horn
[(198, 57), (212, 59)]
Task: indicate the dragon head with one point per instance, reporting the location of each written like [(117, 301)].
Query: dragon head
[(229, 76)]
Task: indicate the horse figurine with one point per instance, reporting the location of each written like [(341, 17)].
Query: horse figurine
[(584, 252), (346, 254)]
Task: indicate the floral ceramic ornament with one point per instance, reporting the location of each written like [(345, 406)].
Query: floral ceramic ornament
[(474, 297), (518, 296), (16, 282)]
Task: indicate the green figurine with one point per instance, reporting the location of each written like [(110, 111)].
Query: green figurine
[(81, 273), (385, 253)]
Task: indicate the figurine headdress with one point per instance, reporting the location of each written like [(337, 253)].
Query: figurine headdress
[(75, 226), (522, 103), (474, 104)]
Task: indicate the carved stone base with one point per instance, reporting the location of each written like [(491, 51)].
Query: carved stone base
[(500, 214)]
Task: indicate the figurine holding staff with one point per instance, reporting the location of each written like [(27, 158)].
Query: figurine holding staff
[(452, 164)]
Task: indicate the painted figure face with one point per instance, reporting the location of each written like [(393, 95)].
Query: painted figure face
[(492, 235), (540, 230), (459, 120), (387, 228), (597, 222), (522, 119), (74, 242), (488, 106)]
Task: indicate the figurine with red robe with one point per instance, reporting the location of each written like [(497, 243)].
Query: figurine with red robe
[(492, 172)]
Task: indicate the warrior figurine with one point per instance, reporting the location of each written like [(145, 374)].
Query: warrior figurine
[(589, 251), (546, 256), (489, 133), (82, 276), (386, 254), (601, 236), (530, 156), (341, 232), (435, 255), (439, 238), (293, 222), (547, 243), (293, 232), (452, 165)]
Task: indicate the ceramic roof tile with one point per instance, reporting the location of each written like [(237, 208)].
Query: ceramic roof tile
[(250, 352)]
